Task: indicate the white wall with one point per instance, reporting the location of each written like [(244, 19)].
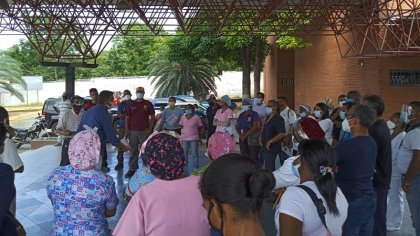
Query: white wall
[(230, 83)]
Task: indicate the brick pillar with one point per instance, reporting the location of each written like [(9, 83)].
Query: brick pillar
[(270, 70)]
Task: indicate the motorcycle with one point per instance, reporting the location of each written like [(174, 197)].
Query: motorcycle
[(37, 130)]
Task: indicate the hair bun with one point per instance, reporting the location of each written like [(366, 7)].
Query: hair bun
[(261, 184)]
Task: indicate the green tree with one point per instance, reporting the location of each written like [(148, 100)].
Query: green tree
[(175, 78), (11, 74)]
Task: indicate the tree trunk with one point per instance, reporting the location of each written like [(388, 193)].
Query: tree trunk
[(55, 74), (257, 66), (246, 71)]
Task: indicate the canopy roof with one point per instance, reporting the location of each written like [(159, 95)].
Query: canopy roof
[(72, 29)]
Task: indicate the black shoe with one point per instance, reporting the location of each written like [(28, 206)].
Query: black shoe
[(119, 166), (105, 169), (129, 174)]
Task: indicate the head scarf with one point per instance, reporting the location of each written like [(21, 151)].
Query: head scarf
[(226, 99), (164, 156), (84, 149), (306, 107), (220, 144), (307, 128)]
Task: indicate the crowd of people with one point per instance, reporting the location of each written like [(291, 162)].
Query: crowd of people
[(342, 171)]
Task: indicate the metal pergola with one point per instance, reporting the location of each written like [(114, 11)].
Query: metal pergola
[(77, 31)]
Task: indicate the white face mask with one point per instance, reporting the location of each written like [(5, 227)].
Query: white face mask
[(390, 124), (127, 97), (346, 126), (317, 114)]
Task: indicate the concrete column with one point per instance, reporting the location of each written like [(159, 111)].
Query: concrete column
[(270, 70)]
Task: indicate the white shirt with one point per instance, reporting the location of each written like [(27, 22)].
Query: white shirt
[(411, 141), (70, 120), (10, 155), (284, 175), (296, 203), (396, 144), (261, 110), (289, 117), (327, 126)]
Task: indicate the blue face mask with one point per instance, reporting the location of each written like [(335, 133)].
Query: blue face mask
[(295, 170), (257, 101), (269, 110), (245, 107), (188, 112), (140, 95), (404, 117), (342, 115)]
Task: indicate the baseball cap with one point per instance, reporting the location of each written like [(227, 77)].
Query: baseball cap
[(210, 96)]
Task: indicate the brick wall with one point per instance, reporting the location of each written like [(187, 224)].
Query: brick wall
[(320, 72)]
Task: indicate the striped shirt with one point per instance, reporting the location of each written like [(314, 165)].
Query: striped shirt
[(62, 107), (70, 120)]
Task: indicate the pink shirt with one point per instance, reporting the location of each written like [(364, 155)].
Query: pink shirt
[(190, 127), (223, 117), (165, 208)]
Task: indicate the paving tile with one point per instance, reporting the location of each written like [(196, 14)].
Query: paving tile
[(29, 202), (36, 230), (25, 221), (28, 210)]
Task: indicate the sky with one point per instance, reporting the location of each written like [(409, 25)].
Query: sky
[(6, 41)]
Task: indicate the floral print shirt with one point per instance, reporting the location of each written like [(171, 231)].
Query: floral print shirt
[(79, 199)]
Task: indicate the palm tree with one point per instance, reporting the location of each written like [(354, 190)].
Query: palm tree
[(11, 74), (173, 78)]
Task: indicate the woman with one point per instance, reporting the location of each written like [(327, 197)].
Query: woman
[(169, 205), (273, 132), (222, 119), (297, 214), (190, 133), (248, 127), (233, 189), (395, 209), (82, 197), (322, 114), (219, 144)]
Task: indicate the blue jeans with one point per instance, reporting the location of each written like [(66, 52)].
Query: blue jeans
[(413, 199), (186, 145), (360, 217)]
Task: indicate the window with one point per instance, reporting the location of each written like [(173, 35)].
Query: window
[(404, 78), (287, 81)]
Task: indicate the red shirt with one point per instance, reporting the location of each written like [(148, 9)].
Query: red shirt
[(88, 105), (139, 113)]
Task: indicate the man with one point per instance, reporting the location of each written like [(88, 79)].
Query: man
[(259, 106), (337, 117), (354, 96), (122, 109), (93, 93), (248, 127), (67, 126), (289, 116), (382, 178), (408, 161), (10, 154), (139, 122), (62, 106), (171, 117), (210, 113), (99, 117), (356, 160)]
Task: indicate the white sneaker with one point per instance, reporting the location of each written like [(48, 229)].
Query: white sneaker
[(392, 229)]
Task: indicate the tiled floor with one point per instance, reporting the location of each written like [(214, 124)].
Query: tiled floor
[(35, 212)]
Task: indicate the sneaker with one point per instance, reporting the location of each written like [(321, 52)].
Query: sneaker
[(129, 174), (105, 169), (119, 166), (392, 229)]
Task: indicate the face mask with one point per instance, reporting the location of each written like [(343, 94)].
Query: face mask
[(188, 112), (295, 170), (317, 114), (140, 95), (342, 115), (257, 101), (341, 103), (390, 124), (346, 126), (246, 107), (302, 114), (404, 117), (269, 110), (127, 97)]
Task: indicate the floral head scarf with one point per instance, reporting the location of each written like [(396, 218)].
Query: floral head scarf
[(220, 144), (84, 149), (164, 155)]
